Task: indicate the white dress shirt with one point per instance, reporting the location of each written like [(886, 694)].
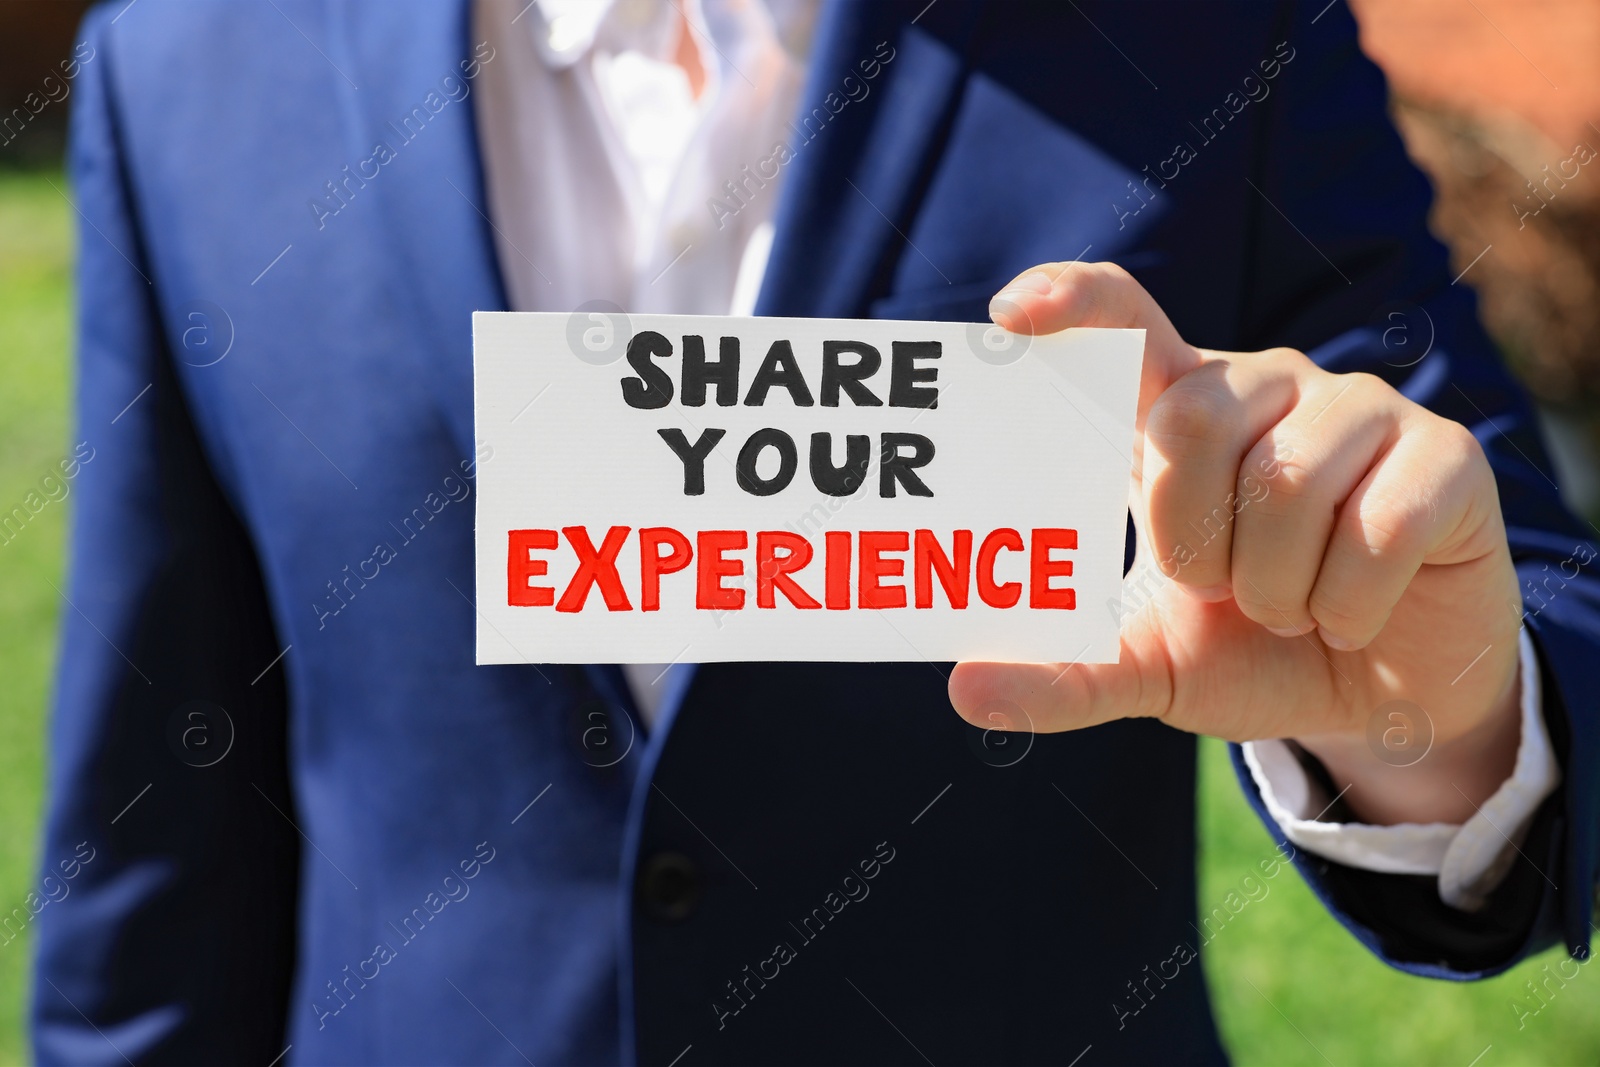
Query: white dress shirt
[(601, 165)]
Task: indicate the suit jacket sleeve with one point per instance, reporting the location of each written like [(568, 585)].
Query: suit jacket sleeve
[(168, 935), (1344, 267)]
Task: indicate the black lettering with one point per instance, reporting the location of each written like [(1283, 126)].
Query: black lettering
[(848, 376), (724, 371), (839, 481), (779, 368), (693, 456), (653, 387), (753, 483), (895, 467), (904, 374)]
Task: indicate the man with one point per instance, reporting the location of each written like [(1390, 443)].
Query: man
[(293, 209)]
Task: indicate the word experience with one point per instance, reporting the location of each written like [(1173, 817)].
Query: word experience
[(873, 562)]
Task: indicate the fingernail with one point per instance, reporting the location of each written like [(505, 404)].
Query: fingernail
[(1285, 631), (1335, 642), (1211, 594)]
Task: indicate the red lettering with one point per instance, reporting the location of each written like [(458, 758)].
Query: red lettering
[(880, 577), (873, 567), (773, 570), (520, 566), (1004, 595), (837, 591), (1042, 568), (930, 559), (652, 564), (713, 567), (595, 568)]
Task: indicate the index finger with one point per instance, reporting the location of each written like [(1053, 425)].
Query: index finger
[(1055, 296)]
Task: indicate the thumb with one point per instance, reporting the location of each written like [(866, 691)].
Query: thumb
[(1056, 296), (1051, 697)]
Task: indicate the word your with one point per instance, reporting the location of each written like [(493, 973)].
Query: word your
[(55, 91), (1581, 155), (780, 555), (13, 924), (454, 891), (410, 529), (341, 191), (1184, 153), (54, 489), (652, 388), (1253, 891), (743, 192), (810, 928)]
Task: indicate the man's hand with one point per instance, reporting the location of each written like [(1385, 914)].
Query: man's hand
[(1312, 547)]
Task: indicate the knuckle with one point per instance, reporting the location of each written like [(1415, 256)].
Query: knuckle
[(1385, 530), (1290, 359), (1252, 484), (1190, 412), (1111, 273), (1367, 387), (1397, 516), (1458, 445), (1095, 294), (1463, 473), (1078, 291), (1352, 395), (1287, 473)]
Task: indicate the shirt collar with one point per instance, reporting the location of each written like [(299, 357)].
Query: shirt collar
[(564, 31), (568, 30)]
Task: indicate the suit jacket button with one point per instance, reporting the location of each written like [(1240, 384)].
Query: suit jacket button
[(669, 887)]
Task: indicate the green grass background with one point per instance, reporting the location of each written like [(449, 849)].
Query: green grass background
[(1290, 986), (35, 335)]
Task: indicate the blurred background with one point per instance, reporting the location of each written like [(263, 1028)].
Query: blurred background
[(1497, 101)]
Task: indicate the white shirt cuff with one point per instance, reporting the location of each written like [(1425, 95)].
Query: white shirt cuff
[(1470, 859)]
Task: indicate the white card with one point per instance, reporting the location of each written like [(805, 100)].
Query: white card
[(850, 490)]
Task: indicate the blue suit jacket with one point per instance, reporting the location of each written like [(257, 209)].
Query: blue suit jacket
[(403, 857)]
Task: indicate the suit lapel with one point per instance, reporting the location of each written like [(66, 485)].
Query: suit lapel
[(408, 61), (862, 164)]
